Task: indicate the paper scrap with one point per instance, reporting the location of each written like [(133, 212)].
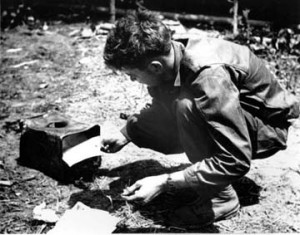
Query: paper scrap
[(24, 64), (82, 219), (41, 213), (7, 183)]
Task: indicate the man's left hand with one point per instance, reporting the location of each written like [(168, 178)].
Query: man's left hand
[(146, 189)]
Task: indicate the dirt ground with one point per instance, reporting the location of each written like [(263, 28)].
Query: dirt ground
[(51, 70)]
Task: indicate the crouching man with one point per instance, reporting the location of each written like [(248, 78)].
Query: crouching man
[(212, 99)]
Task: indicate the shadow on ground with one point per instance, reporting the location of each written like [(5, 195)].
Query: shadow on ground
[(156, 211), (248, 191)]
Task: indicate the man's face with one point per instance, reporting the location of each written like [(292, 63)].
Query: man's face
[(145, 76)]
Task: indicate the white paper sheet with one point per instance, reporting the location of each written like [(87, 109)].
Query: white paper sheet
[(82, 219), (87, 149)]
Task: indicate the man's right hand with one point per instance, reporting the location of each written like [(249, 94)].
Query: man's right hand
[(112, 139)]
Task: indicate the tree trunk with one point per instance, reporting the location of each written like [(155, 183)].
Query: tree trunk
[(235, 22), (112, 11), (177, 16)]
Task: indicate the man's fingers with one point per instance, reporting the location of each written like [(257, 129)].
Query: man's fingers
[(131, 197), (130, 190), (105, 148), (137, 198), (108, 148), (105, 145)]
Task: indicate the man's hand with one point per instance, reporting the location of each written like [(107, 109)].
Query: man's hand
[(114, 143), (146, 189), (112, 139)]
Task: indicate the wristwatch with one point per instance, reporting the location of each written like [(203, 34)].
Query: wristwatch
[(170, 187)]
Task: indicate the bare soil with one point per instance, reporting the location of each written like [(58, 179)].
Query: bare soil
[(66, 73)]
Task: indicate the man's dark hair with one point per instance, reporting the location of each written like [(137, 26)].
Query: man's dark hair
[(137, 36)]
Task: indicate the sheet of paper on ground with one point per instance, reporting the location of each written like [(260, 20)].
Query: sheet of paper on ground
[(82, 219)]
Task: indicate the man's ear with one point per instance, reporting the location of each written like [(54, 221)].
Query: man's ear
[(156, 67)]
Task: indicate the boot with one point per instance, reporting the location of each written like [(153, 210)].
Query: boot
[(222, 205)]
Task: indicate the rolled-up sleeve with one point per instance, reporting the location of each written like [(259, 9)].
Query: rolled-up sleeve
[(217, 100)]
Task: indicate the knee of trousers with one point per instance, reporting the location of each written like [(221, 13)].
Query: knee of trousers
[(159, 135)]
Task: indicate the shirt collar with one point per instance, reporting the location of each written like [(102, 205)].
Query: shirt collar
[(178, 52)]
